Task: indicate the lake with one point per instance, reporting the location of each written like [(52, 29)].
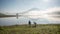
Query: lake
[(22, 20)]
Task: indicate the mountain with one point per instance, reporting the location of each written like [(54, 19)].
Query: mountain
[(56, 12), (33, 13), (32, 9)]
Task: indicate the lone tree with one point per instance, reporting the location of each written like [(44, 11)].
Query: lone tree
[(29, 23)]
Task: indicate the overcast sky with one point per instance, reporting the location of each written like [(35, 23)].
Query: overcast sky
[(14, 6), (18, 6)]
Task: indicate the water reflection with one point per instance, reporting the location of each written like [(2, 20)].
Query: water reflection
[(22, 20), (13, 21)]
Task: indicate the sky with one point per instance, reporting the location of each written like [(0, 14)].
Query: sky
[(25, 6), (18, 6)]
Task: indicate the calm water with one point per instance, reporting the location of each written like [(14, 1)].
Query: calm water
[(13, 21)]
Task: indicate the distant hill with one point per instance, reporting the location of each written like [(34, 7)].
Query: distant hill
[(1, 14), (4, 15)]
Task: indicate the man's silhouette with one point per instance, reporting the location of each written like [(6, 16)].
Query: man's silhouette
[(29, 23)]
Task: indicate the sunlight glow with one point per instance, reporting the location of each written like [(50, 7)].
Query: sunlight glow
[(46, 0)]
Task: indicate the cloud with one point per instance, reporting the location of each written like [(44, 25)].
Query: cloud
[(50, 13)]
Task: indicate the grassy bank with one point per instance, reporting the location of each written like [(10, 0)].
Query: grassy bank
[(25, 29)]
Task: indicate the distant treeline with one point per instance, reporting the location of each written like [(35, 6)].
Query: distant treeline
[(4, 15)]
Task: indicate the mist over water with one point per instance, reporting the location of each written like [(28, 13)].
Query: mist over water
[(13, 21), (22, 20)]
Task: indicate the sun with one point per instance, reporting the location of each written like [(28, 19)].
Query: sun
[(46, 0)]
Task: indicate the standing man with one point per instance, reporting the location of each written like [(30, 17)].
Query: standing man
[(29, 23)]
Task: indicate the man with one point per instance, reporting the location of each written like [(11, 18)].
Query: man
[(29, 23)]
